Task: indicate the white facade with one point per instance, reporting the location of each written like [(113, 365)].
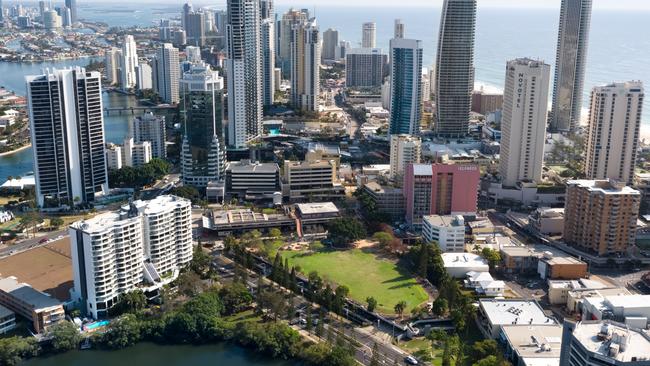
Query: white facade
[(136, 154), (268, 63), (112, 57), (128, 63), (114, 156), (614, 128), (369, 35), (398, 29), (523, 126), (166, 72), (142, 246), (193, 54), (305, 65), (447, 231), (150, 127), (144, 77), (404, 150), (458, 265)]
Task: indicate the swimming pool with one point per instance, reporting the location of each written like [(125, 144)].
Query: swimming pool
[(96, 325)]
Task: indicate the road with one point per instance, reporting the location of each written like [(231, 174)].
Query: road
[(31, 243)]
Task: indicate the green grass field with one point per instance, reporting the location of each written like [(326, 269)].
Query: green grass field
[(365, 274)]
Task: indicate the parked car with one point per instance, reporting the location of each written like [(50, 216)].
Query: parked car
[(410, 360)]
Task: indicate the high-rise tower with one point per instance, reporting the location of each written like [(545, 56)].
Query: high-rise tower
[(305, 65), (166, 73), (128, 63), (369, 35), (405, 86)]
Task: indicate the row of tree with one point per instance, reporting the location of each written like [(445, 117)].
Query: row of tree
[(133, 177)]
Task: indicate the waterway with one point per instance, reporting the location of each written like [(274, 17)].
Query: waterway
[(148, 354)]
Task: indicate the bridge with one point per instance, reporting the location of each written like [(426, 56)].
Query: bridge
[(137, 109)]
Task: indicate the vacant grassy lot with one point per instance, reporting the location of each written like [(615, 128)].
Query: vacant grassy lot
[(365, 274)]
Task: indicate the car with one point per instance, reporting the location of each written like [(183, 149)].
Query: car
[(411, 360), (44, 240)]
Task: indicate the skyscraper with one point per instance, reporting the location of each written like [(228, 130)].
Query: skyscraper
[(143, 76), (364, 68), (67, 133), (2, 12), (112, 60), (454, 67), (305, 66), (195, 28), (405, 86), (289, 19), (330, 42), (150, 127), (614, 127), (72, 5), (268, 51), (244, 65), (399, 29), (166, 72), (187, 9), (523, 124), (369, 35), (202, 152), (404, 150), (128, 63), (570, 60)]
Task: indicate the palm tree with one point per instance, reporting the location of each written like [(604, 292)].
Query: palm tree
[(400, 307)]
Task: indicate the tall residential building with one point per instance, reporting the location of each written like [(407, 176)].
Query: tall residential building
[(220, 20), (600, 216), (404, 150), (268, 61), (202, 151), (305, 66), (67, 133), (150, 127), (288, 20), (570, 64), (364, 68), (399, 29), (143, 76), (244, 65), (52, 20), (128, 63), (195, 28), (187, 9), (112, 60), (330, 42), (454, 67), (439, 189), (142, 246), (614, 127), (166, 73), (405, 86), (523, 123), (72, 5), (369, 35), (135, 154), (342, 50)]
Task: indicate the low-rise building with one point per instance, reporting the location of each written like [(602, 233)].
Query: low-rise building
[(547, 221), (252, 181), (632, 310), (532, 345), (458, 265), (317, 151), (245, 220), (313, 217), (558, 290), (447, 231), (7, 320), (386, 199), (493, 314), (311, 180), (483, 284), (547, 261), (38, 307)]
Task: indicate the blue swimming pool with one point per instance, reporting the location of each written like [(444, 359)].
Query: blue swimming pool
[(98, 324)]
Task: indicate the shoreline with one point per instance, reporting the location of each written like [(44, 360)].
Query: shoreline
[(16, 150)]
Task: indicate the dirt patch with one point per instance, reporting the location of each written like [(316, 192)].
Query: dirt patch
[(364, 243)]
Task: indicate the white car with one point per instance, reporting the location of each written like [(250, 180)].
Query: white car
[(411, 360)]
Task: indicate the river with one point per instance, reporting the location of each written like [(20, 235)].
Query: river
[(149, 354)]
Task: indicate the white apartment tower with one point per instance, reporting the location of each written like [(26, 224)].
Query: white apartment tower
[(305, 65), (614, 124), (67, 132), (150, 127), (523, 126), (399, 29), (144, 76), (112, 57), (404, 150), (369, 35), (142, 246), (244, 65), (166, 71), (268, 61), (570, 64), (128, 63)]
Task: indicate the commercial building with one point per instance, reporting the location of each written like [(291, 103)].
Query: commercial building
[(458, 265), (369, 35), (244, 66), (166, 73), (454, 79), (632, 310), (67, 133), (386, 199), (600, 216), (7, 317), (564, 292), (570, 64), (320, 151), (364, 68), (244, 220), (310, 180), (595, 343), (128, 63), (532, 345), (305, 65), (405, 86), (203, 154), (36, 306), (404, 150), (493, 314), (142, 246), (614, 130), (313, 217), (150, 127), (439, 189), (523, 126), (249, 180), (486, 103), (447, 231), (330, 42), (544, 260), (547, 221)]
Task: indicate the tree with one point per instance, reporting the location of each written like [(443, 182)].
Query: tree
[(235, 297), (439, 306), (316, 246), (492, 256), (383, 238), (65, 336), (30, 220), (188, 192), (14, 349), (343, 231), (56, 222), (372, 303), (489, 361), (200, 262), (189, 283), (483, 349), (400, 307), (275, 233), (122, 332), (129, 302)]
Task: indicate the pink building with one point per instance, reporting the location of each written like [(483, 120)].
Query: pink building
[(440, 189)]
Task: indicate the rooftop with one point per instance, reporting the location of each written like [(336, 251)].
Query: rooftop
[(246, 166), (317, 208), (4, 312), (603, 186), (25, 293), (603, 337), (463, 260), (379, 189), (535, 341), (445, 221), (422, 169), (513, 312), (550, 254)]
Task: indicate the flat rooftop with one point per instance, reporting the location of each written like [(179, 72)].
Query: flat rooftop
[(243, 216), (248, 167), (463, 260), (379, 189), (317, 208), (603, 186), (535, 341), (637, 345), (550, 254), (513, 312), (445, 221), (26, 293)]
